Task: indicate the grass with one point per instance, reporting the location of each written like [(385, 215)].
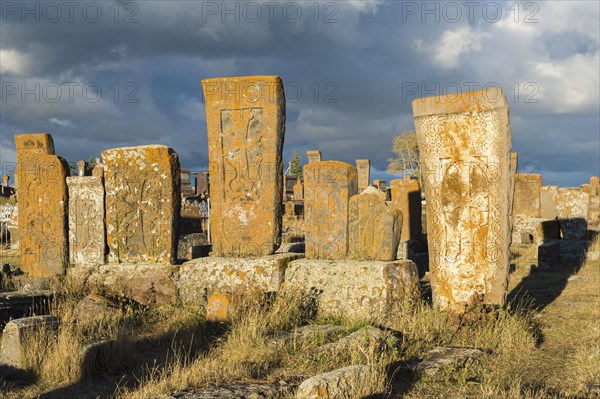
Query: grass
[(532, 355)]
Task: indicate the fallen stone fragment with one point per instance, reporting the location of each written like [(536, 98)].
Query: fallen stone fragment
[(368, 338), (234, 391), (96, 357), (18, 304), (12, 351), (307, 334), (347, 382), (441, 357), (94, 306)]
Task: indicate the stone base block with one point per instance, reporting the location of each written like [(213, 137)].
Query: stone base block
[(357, 288), (528, 230), (202, 277), (408, 249), (147, 284), (189, 241), (14, 337)]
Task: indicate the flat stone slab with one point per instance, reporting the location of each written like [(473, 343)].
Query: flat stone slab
[(234, 391), (15, 334), (441, 357), (18, 304), (346, 382), (306, 335), (357, 288), (367, 338), (202, 277), (147, 284)]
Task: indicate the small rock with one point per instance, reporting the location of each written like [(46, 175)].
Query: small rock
[(347, 382), (441, 357), (94, 306), (593, 389), (233, 391), (368, 337), (306, 334)]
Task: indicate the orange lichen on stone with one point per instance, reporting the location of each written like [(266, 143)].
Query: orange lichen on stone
[(43, 202), (218, 307), (528, 191), (34, 143), (245, 118), (465, 145), (142, 204), (406, 197), (328, 186)]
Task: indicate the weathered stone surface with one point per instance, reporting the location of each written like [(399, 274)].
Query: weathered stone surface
[(34, 144), (314, 156), (15, 334), (235, 391), (146, 284), (406, 197), (96, 357), (357, 288), (307, 335), (43, 207), (142, 204), (298, 191), (187, 242), (528, 188), (347, 382), (441, 357), (94, 306), (87, 239), (572, 208), (367, 339), (363, 167), (548, 197), (534, 231), (190, 219), (374, 229), (186, 188), (465, 145), (218, 307), (246, 126), (328, 187), (200, 278), (380, 184)]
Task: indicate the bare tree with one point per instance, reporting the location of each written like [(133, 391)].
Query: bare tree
[(406, 155)]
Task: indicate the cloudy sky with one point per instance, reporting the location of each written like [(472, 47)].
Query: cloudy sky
[(104, 74)]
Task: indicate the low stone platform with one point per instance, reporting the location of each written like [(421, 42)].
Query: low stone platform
[(360, 288), (202, 277)]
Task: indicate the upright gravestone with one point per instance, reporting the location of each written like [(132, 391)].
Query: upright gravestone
[(374, 229), (34, 143), (572, 206), (142, 204), (363, 166), (313, 156), (43, 214), (465, 145), (380, 184), (298, 191), (186, 183), (87, 239), (528, 189), (201, 183), (406, 197), (548, 196), (328, 187), (246, 127)]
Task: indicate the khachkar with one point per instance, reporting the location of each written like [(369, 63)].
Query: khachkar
[(363, 166), (42, 206), (142, 204), (87, 238), (465, 145), (328, 187), (246, 126)]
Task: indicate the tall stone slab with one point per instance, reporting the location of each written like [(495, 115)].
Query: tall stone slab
[(142, 204), (328, 187), (246, 127), (314, 156), (201, 183), (572, 206), (43, 203), (548, 195), (87, 237), (374, 229), (528, 189), (298, 191), (363, 166), (406, 197), (465, 145)]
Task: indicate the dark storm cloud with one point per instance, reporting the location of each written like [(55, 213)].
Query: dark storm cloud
[(349, 82)]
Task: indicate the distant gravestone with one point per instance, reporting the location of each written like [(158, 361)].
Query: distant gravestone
[(298, 191), (34, 143), (87, 239), (142, 204), (363, 166), (572, 207), (374, 230), (380, 184), (406, 197), (314, 156), (201, 183), (548, 195), (43, 214), (328, 187), (528, 188), (465, 145), (246, 127), (186, 183), (81, 168)]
